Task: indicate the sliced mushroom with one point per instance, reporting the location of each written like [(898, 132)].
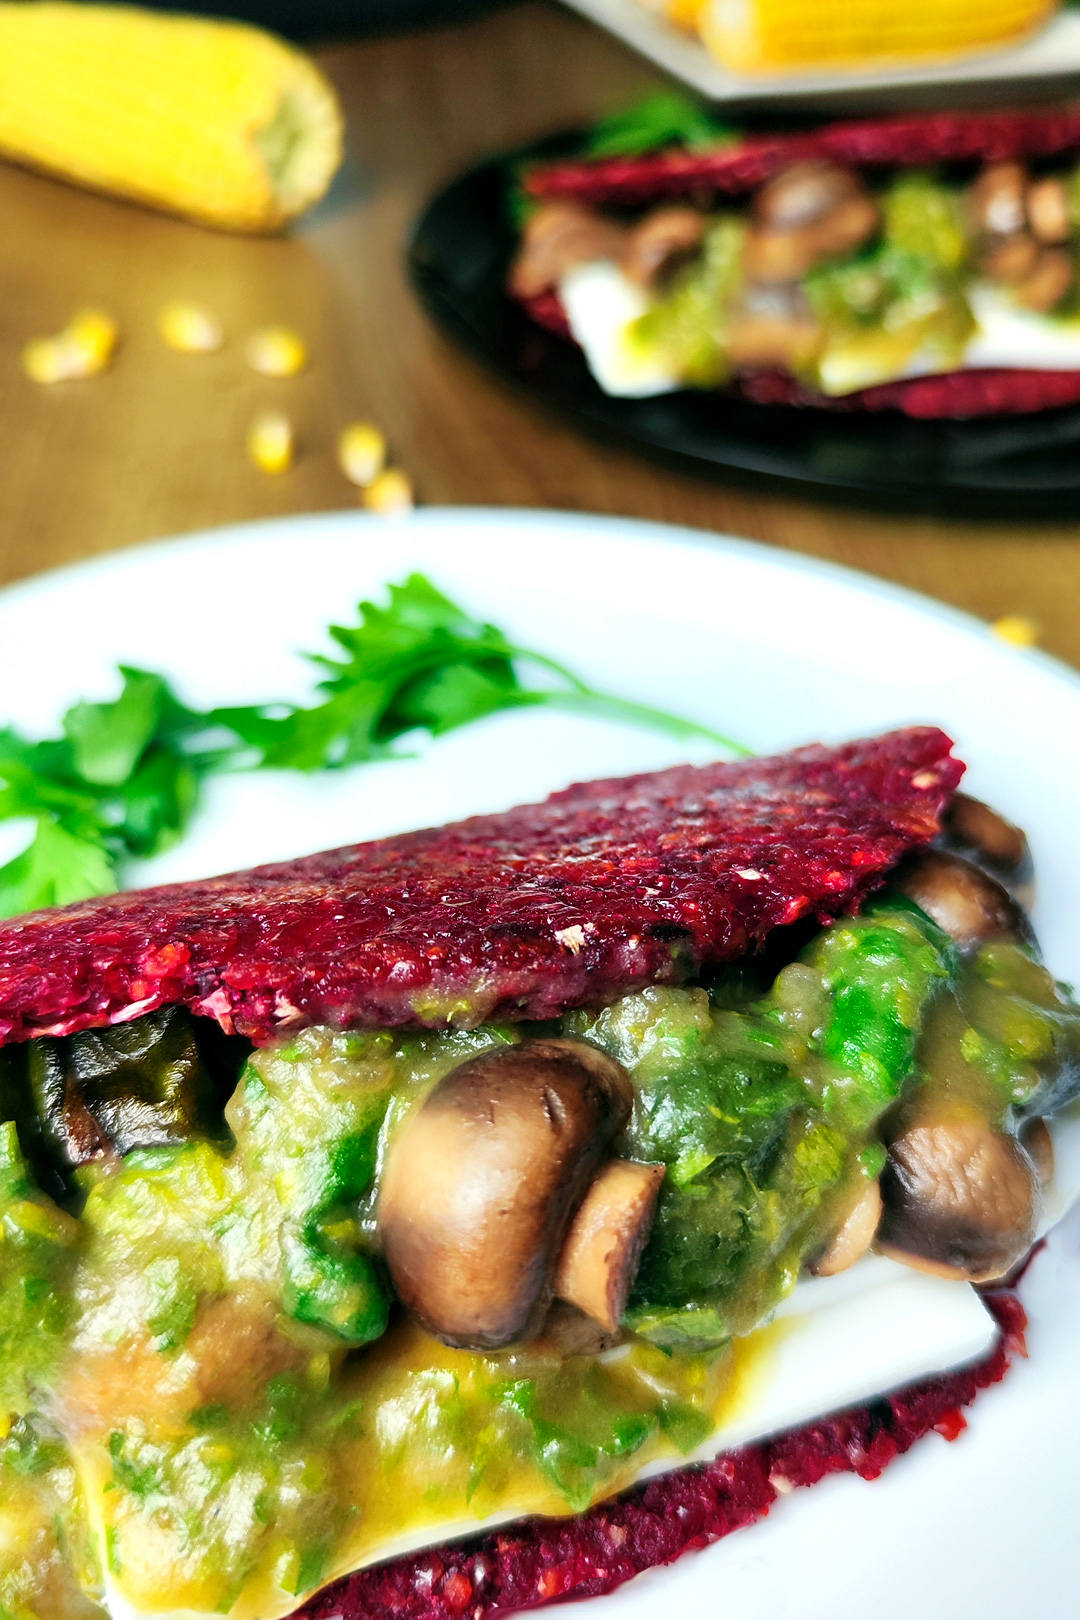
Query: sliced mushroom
[(1039, 1147), (804, 193), (1048, 209), (774, 326), (660, 241), (558, 237), (1012, 259), (603, 1247), (985, 837), (854, 1237), (997, 199), (960, 1199), (483, 1180), (773, 253), (967, 903), (571, 1333), (1048, 282)]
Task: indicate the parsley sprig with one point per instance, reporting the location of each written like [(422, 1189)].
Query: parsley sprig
[(663, 119), (124, 778)]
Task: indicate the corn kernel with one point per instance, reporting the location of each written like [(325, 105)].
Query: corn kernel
[(190, 329), (277, 351), (83, 349), (390, 493), (270, 442), (361, 453), (1016, 630)]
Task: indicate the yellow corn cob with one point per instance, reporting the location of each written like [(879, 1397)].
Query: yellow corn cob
[(214, 120), (769, 36), (684, 14)]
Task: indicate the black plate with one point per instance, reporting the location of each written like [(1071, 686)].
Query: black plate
[(993, 467)]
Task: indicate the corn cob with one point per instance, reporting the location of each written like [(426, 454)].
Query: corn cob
[(214, 120), (767, 36)]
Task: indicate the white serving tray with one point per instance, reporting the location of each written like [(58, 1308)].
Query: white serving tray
[(1045, 62)]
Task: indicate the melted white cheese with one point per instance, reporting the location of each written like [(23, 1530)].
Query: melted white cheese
[(601, 305)]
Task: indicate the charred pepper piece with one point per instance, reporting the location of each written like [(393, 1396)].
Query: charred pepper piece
[(144, 1084)]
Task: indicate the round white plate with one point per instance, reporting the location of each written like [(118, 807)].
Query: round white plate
[(773, 649)]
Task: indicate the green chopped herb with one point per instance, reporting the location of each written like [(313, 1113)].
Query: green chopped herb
[(124, 778), (664, 119)]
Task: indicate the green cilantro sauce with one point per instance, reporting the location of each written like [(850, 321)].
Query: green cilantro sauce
[(207, 1396)]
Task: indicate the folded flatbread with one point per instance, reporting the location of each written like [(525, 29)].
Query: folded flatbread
[(603, 888)]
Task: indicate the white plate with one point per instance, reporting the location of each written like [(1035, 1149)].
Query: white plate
[(773, 648), (1051, 54)]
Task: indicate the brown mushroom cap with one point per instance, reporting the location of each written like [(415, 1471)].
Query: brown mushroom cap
[(985, 837), (1011, 258), (1048, 209), (558, 236), (966, 902), (660, 241), (483, 1180), (998, 201), (804, 193), (775, 253), (960, 1198), (1047, 283)]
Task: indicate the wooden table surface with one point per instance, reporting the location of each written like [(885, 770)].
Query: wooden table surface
[(156, 446)]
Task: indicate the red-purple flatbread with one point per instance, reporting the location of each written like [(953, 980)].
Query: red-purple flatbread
[(602, 888), (544, 1560), (741, 165)]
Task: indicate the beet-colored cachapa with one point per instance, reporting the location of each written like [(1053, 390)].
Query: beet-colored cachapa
[(603, 888), (739, 166)]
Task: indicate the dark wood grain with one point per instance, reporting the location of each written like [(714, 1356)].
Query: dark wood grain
[(155, 446)]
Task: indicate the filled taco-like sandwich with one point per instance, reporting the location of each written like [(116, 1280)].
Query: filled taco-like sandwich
[(924, 263), (477, 1177)]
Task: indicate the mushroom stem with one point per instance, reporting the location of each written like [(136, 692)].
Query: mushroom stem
[(1038, 1144), (603, 1247), (854, 1236)]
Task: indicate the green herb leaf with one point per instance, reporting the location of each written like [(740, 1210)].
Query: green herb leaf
[(124, 779), (57, 868), (108, 739), (665, 119)]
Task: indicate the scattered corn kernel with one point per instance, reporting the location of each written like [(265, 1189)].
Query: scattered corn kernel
[(276, 351), (270, 442), (190, 329), (1016, 630), (390, 493), (361, 453), (83, 349)]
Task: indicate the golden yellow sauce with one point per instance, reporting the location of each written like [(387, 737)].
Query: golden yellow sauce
[(429, 1458)]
